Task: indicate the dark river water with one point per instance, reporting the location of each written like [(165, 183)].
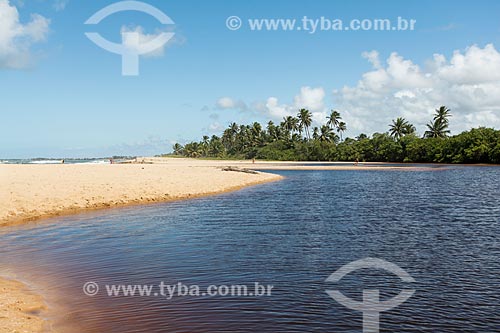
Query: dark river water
[(442, 227)]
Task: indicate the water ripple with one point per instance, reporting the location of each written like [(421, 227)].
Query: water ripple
[(441, 227)]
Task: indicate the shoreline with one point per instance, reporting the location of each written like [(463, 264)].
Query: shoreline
[(40, 191), (33, 192), (21, 308), (264, 165), (23, 208), (133, 203)]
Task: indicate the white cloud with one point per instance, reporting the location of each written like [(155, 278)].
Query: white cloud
[(16, 39), (475, 66), (373, 58), (468, 83), (227, 103), (312, 99), (276, 110)]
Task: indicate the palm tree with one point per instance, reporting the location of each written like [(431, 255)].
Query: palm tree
[(334, 119), (342, 127), (295, 124), (305, 120), (216, 148), (437, 129), (178, 148), (192, 149), (315, 133), (229, 137), (326, 134), (398, 128), (204, 145), (296, 137), (242, 138), (290, 124), (272, 131), (442, 114), (233, 128), (256, 134), (362, 136), (409, 129)]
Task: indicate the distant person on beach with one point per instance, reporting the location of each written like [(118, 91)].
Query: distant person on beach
[(356, 162), (253, 160), (62, 161), (111, 161)]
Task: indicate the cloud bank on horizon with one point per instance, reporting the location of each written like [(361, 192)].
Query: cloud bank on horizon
[(468, 83)]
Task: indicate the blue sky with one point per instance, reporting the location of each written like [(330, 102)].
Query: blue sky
[(68, 97)]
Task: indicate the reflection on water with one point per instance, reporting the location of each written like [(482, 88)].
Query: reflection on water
[(441, 227)]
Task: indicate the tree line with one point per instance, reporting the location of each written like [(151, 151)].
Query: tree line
[(294, 139)]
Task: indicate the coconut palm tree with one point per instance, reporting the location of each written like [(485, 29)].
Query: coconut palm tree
[(442, 114), (204, 145), (315, 133), (409, 129), (326, 134), (192, 149), (290, 124), (334, 119), (362, 136), (216, 148), (305, 120), (272, 131), (178, 148), (256, 134), (398, 128), (233, 128), (342, 127), (437, 129)]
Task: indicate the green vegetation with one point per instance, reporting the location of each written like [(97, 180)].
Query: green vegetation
[(293, 140)]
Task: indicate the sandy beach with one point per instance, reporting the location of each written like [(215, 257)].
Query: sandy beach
[(288, 165), (31, 192), (20, 308)]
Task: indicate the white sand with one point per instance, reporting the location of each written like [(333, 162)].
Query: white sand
[(29, 192), (20, 308)]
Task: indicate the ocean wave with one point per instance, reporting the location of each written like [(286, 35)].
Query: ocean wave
[(96, 162), (45, 162)]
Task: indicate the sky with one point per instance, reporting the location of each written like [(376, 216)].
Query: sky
[(61, 95)]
